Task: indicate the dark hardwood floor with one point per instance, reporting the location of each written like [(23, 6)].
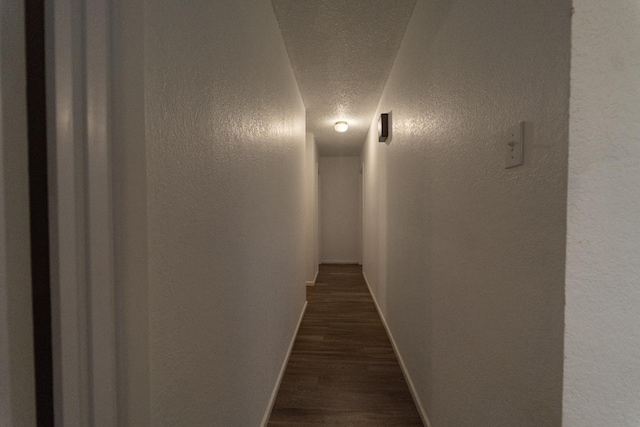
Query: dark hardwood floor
[(342, 370)]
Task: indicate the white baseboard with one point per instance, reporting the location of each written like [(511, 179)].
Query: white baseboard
[(311, 283), (338, 262), (274, 393), (405, 372)]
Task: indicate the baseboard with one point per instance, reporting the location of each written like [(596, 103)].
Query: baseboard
[(274, 393), (405, 372), (339, 262), (311, 283)]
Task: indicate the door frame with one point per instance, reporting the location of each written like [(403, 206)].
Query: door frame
[(81, 212)]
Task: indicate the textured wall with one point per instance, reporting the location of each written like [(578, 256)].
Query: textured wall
[(226, 152), (311, 208), (17, 393), (340, 216), (602, 337), (465, 257), (332, 44)]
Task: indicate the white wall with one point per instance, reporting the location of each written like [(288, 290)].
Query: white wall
[(465, 257), (225, 198), (602, 336), (17, 388), (340, 215), (311, 209)]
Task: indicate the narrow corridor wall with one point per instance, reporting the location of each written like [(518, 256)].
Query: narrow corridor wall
[(225, 150), (602, 337), (465, 257), (311, 209)]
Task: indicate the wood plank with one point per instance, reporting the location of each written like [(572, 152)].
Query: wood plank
[(342, 370)]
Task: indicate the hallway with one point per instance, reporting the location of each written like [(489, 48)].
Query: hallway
[(342, 369), (492, 152)]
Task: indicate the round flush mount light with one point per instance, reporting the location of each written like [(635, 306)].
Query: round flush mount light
[(341, 126)]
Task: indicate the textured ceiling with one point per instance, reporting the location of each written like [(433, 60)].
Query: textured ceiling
[(342, 52)]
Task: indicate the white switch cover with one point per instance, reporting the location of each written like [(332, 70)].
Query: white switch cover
[(514, 146)]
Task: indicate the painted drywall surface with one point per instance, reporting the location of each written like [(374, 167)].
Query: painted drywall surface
[(340, 209), (602, 335), (311, 208), (17, 388), (316, 213), (466, 258), (130, 211), (226, 156)]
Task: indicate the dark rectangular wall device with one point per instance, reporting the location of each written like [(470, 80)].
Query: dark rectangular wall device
[(383, 127)]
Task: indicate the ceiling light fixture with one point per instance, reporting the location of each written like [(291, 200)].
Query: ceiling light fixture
[(341, 126)]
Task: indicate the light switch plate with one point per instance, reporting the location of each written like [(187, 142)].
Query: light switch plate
[(514, 146)]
